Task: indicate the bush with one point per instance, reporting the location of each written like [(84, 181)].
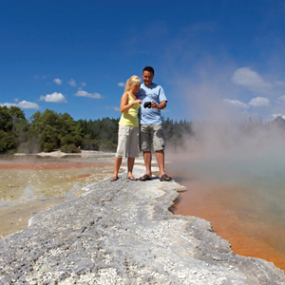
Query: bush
[(7, 142), (107, 146), (70, 148), (12, 151), (66, 140), (89, 144), (49, 142), (29, 147), (49, 146)]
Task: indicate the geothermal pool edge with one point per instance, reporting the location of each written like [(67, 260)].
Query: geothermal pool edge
[(123, 233)]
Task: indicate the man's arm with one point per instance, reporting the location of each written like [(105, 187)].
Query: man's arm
[(160, 106)]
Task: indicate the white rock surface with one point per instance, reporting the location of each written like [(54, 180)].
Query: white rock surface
[(122, 233)]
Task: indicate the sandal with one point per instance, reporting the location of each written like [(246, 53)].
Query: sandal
[(132, 178), (145, 177), (114, 178), (165, 177)]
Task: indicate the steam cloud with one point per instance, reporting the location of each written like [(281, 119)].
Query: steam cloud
[(232, 111)]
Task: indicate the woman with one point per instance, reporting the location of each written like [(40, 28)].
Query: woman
[(128, 140)]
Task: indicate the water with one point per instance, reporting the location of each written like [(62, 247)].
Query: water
[(33, 184), (242, 196)]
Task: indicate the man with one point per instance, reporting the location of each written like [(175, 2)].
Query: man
[(151, 131)]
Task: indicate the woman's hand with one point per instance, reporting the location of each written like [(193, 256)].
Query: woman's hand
[(137, 101), (125, 106)]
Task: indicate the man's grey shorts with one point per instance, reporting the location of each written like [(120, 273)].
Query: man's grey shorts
[(128, 142), (151, 134)]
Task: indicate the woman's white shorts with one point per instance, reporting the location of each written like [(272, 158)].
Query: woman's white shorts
[(128, 142)]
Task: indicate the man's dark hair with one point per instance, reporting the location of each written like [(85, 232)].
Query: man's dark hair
[(149, 69)]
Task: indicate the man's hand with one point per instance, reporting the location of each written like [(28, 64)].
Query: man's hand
[(154, 105), (158, 107)]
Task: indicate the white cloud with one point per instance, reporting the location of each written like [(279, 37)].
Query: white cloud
[(82, 93), (83, 83), (276, 115), (121, 84), (16, 100), (235, 103), (54, 97), (23, 104), (72, 82), (8, 105), (281, 98), (252, 80), (279, 83), (57, 81), (259, 102), (28, 105), (272, 117)]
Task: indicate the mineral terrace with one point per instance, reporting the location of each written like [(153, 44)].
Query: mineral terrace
[(123, 233)]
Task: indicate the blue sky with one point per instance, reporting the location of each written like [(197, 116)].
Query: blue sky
[(214, 59)]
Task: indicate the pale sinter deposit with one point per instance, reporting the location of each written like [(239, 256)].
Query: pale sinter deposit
[(123, 233)]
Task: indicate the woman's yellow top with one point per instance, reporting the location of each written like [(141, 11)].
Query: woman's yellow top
[(130, 118)]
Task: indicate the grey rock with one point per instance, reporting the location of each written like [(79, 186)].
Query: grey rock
[(123, 233)]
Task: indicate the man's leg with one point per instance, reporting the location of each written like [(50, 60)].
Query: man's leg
[(145, 146), (160, 160), (147, 162), (159, 144)]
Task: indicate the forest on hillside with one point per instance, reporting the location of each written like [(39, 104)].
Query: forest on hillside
[(49, 131)]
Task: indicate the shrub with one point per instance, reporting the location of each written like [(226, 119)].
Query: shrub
[(7, 141), (70, 148), (89, 144), (29, 147), (106, 145)]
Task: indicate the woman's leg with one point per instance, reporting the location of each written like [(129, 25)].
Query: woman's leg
[(121, 150), (131, 161), (117, 165), (133, 146)]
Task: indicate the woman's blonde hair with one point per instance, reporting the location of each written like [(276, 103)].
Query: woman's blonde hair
[(133, 80)]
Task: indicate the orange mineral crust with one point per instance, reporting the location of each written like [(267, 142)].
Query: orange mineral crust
[(236, 216)]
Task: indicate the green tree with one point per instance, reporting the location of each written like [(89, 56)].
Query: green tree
[(56, 131), (99, 134), (17, 117), (6, 124), (8, 142), (13, 126)]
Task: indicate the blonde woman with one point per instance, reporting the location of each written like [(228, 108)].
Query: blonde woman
[(128, 140)]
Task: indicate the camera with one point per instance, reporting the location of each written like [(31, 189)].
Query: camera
[(147, 104)]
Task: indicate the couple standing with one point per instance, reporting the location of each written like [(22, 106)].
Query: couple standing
[(140, 107)]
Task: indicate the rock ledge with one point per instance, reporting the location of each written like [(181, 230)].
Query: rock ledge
[(123, 233)]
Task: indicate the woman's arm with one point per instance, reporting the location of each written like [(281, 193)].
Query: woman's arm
[(124, 103)]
